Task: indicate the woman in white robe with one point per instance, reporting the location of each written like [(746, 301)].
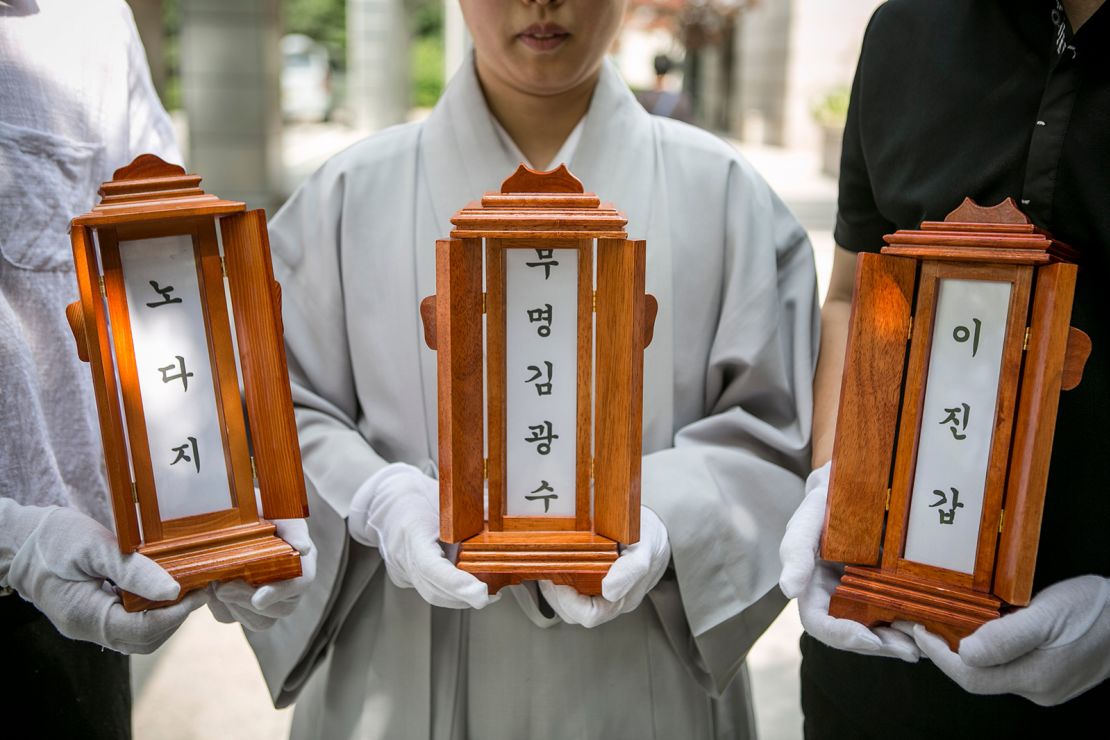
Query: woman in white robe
[(727, 407)]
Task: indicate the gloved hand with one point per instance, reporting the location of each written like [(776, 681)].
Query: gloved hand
[(634, 573), (257, 608), (1051, 651), (397, 511), (61, 561), (812, 583)]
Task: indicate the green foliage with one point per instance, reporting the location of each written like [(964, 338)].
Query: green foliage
[(322, 20), (427, 17), (832, 110), (426, 58), (171, 54), (425, 52)]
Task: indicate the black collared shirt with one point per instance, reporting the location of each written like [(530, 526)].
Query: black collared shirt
[(990, 99)]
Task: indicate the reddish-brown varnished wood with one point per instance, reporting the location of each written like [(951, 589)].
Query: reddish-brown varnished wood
[(221, 355), (585, 411), (259, 330), (142, 469), (499, 559), (147, 199), (870, 392), (536, 210), (932, 273), (1032, 450), (619, 388), (495, 383), (459, 360), (874, 597), (253, 554), (1075, 358), (91, 332), (1041, 356)]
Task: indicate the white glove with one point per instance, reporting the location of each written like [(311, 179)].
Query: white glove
[(62, 561), (813, 582), (397, 511), (1049, 652), (628, 581), (257, 608)]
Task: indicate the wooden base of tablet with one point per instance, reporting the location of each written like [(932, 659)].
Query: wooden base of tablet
[(252, 553), (499, 559), (871, 597)]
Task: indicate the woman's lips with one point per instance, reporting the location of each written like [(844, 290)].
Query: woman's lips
[(543, 36)]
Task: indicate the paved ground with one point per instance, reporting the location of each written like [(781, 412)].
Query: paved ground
[(205, 683)]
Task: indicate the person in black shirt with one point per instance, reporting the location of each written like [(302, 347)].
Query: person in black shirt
[(988, 99)]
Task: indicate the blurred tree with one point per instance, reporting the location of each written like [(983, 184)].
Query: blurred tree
[(322, 20), (171, 54), (426, 51)]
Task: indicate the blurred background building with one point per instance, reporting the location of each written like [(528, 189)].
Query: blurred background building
[(262, 92)]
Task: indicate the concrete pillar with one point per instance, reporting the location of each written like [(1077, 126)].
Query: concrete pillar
[(230, 83), (762, 72), (456, 39), (148, 19), (377, 62)]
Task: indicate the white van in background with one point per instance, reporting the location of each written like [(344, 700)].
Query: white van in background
[(306, 83)]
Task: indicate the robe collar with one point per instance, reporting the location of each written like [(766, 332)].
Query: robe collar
[(618, 157)]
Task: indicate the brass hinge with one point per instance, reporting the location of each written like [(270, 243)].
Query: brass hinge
[(592, 468), (593, 301), (1001, 518), (223, 266), (886, 507), (483, 302), (485, 467), (100, 280), (1025, 342), (134, 493), (909, 330), (254, 471)]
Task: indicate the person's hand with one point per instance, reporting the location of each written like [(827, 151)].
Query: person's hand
[(812, 582), (65, 564), (1048, 652), (628, 581), (257, 608), (397, 511)]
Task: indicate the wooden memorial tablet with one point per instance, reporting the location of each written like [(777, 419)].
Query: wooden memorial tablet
[(553, 438), (172, 281), (959, 346)]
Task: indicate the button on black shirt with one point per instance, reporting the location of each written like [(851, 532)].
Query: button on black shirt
[(988, 99)]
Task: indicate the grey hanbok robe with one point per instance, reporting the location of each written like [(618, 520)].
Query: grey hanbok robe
[(727, 406)]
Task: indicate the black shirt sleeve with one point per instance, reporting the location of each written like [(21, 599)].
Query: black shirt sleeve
[(859, 225)]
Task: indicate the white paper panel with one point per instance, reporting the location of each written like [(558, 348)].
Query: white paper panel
[(957, 421), (541, 343), (175, 376)]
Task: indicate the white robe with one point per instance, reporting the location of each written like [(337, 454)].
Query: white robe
[(76, 103), (727, 408)]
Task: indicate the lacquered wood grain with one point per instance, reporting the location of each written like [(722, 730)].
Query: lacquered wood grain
[(459, 361), (1032, 445), (870, 391), (259, 331)]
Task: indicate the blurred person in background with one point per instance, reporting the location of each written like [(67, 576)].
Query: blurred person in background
[(990, 100), (392, 640), (662, 101)]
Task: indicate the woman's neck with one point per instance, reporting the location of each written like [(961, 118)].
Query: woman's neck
[(538, 124)]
